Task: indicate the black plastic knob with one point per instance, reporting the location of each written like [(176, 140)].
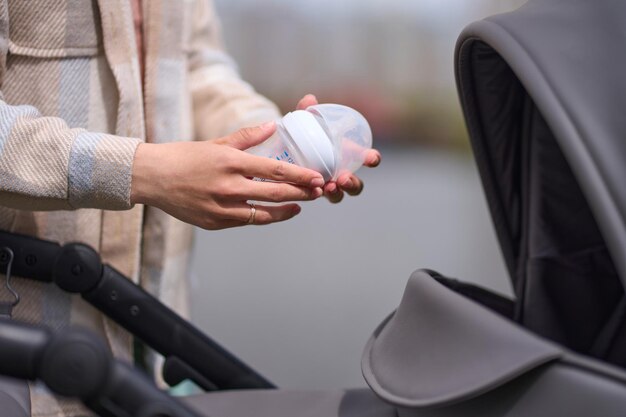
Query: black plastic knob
[(78, 268)]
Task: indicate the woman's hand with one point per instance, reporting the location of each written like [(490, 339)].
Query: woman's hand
[(208, 184), (348, 182)]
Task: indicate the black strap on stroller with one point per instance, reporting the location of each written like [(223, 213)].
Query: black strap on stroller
[(77, 268)]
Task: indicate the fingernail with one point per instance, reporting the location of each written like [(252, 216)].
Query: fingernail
[(376, 160), (317, 192), (348, 183), (296, 210), (267, 126), (317, 182), (334, 189)]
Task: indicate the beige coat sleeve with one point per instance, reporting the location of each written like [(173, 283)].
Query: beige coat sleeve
[(222, 101), (45, 165)]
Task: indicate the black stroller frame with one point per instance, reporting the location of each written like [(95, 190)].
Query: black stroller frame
[(77, 268)]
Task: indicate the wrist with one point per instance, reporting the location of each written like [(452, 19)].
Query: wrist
[(143, 174)]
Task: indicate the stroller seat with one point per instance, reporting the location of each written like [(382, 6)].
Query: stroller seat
[(444, 355)]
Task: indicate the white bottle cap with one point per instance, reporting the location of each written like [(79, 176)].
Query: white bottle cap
[(312, 142)]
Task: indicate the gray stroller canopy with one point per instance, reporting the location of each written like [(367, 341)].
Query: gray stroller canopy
[(543, 93)]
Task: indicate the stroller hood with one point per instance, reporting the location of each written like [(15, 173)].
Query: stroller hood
[(543, 92)]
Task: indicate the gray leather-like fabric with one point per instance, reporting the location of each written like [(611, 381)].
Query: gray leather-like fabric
[(282, 403), (14, 398), (562, 389), (441, 348), (568, 56)]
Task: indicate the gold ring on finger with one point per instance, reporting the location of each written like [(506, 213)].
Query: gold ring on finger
[(252, 214)]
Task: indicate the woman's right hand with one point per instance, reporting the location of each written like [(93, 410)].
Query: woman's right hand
[(208, 184)]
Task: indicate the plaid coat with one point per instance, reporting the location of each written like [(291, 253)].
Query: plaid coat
[(72, 113)]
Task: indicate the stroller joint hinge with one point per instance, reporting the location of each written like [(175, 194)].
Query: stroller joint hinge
[(78, 268)]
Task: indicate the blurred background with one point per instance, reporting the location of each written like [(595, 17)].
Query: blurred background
[(298, 300)]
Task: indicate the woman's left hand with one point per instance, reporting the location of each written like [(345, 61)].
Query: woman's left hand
[(348, 182)]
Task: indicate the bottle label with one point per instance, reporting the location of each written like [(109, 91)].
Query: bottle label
[(284, 156)]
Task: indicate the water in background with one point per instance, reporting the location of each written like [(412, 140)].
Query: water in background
[(298, 300)]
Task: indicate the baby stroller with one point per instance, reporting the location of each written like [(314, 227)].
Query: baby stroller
[(542, 93)]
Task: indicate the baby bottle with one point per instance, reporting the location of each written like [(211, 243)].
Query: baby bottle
[(328, 138)]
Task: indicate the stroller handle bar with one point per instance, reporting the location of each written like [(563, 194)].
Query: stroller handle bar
[(189, 354), (76, 363)]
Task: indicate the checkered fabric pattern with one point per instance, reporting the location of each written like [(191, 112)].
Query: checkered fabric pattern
[(73, 110)]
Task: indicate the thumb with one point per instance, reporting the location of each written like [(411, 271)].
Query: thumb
[(250, 136)]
